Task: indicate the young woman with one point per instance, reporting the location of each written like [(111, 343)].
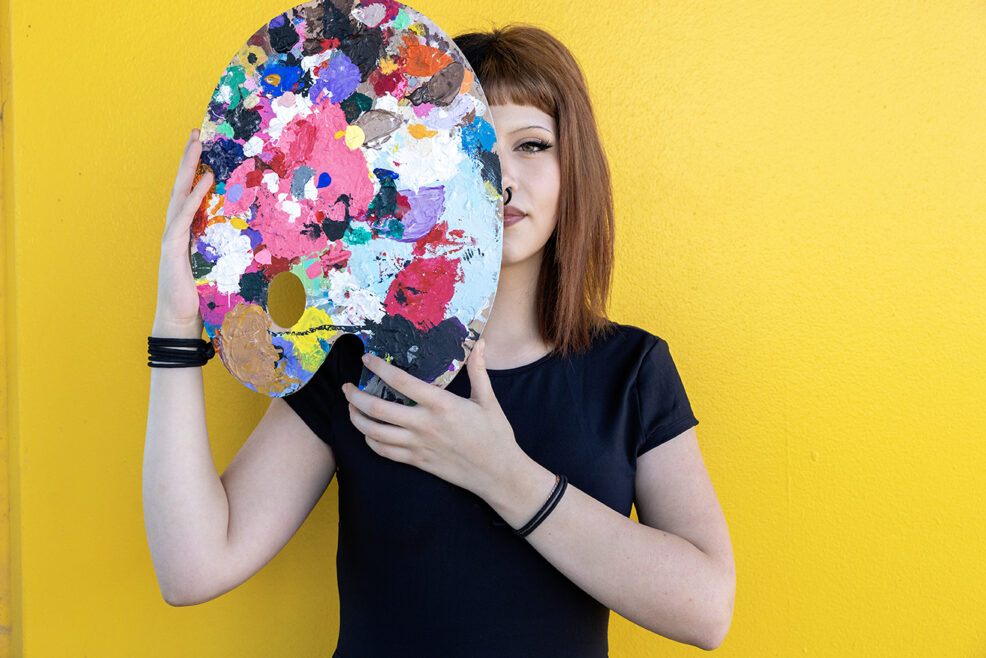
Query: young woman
[(562, 421)]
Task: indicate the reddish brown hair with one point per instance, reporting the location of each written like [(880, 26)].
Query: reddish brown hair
[(524, 65)]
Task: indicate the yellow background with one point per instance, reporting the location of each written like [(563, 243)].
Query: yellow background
[(801, 195)]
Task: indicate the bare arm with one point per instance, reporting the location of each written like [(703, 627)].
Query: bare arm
[(672, 573), (208, 534)]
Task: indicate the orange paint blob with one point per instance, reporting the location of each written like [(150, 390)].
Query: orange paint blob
[(423, 61), (418, 131)]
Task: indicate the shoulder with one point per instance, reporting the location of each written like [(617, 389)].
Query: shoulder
[(624, 345)]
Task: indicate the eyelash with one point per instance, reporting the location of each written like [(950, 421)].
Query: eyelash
[(539, 145)]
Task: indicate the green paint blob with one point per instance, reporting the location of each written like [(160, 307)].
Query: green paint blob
[(225, 129), (231, 84), (200, 266), (392, 228), (401, 20), (357, 235), (356, 105)]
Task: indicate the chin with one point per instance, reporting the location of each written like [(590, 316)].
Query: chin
[(513, 257)]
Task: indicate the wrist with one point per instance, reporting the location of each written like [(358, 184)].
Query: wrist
[(521, 490), (167, 328)]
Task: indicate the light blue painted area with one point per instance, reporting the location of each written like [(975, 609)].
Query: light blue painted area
[(468, 199)]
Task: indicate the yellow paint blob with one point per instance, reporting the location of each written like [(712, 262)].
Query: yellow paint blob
[(238, 222), (387, 65), (418, 131), (354, 137), (314, 325), (243, 58)]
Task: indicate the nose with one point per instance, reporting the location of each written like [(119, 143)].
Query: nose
[(507, 180)]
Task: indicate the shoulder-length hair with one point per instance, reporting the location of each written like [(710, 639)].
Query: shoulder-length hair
[(524, 65)]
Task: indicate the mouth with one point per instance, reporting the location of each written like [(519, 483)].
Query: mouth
[(512, 216)]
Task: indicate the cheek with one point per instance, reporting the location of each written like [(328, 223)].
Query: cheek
[(551, 188)]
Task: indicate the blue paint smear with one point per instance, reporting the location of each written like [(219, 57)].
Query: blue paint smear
[(477, 136), (289, 78)]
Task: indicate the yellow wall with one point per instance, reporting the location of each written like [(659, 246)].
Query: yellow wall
[(6, 609), (802, 215)]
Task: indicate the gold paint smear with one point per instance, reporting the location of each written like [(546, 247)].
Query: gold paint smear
[(246, 350)]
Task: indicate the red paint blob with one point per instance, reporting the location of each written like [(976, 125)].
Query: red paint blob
[(421, 291)]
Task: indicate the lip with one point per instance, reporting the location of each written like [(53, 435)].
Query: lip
[(512, 216)]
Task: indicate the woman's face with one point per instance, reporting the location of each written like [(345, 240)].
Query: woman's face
[(528, 140)]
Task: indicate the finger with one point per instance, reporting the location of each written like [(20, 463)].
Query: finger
[(420, 391), (186, 172), (379, 409), (479, 379), (189, 161), (390, 452), (392, 435), (181, 223)]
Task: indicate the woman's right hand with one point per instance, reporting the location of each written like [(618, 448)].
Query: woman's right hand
[(177, 313)]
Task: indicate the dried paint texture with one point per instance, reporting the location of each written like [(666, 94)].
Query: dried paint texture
[(354, 150)]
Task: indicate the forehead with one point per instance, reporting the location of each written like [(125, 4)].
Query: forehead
[(514, 118)]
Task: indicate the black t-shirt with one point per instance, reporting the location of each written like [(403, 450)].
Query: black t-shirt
[(427, 568)]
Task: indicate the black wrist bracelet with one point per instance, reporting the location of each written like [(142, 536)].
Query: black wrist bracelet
[(561, 482), (178, 352)]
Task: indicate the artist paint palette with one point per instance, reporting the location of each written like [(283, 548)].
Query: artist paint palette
[(352, 147)]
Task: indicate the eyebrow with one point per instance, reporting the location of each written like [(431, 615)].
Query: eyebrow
[(528, 127)]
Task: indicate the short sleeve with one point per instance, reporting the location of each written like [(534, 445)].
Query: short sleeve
[(320, 402), (664, 408)]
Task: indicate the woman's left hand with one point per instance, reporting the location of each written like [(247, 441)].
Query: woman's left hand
[(468, 442)]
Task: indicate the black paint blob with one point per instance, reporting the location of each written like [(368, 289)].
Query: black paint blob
[(384, 204), (253, 287), (284, 36), (244, 122), (364, 50), (335, 230), (335, 24), (223, 156), (431, 352), (491, 168)]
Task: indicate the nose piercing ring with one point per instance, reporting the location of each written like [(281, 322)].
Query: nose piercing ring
[(510, 195)]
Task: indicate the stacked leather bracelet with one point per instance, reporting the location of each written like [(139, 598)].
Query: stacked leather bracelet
[(561, 482), (178, 352)]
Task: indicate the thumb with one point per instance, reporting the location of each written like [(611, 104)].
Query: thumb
[(479, 381)]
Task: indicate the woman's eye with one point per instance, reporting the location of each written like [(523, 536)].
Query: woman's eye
[(534, 146)]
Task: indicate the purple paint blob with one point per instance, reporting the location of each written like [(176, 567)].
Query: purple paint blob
[(427, 205), (338, 80), (233, 193), (206, 250)]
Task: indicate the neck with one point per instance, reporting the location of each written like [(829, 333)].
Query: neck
[(511, 332)]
